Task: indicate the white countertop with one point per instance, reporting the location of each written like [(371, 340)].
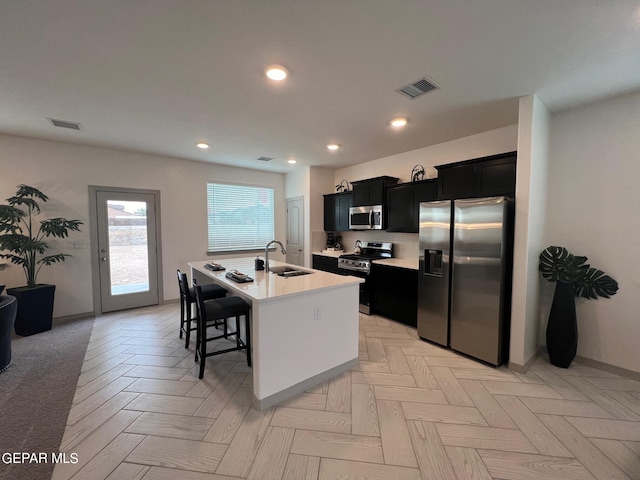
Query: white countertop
[(271, 286), (329, 253), (411, 264)]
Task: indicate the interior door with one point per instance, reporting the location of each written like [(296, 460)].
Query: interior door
[(127, 249), (295, 231)]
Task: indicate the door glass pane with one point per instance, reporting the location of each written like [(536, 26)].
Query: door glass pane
[(128, 251)]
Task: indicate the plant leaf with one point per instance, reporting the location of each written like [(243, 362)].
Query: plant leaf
[(558, 265), (10, 216), (59, 227), (28, 202), (27, 191), (594, 283), (15, 259), (49, 259), (9, 227)]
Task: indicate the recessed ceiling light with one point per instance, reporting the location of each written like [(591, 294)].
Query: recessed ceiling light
[(333, 146), (277, 72), (202, 145), (291, 161), (399, 122)]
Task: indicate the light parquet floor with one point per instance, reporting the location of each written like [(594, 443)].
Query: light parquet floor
[(410, 410)]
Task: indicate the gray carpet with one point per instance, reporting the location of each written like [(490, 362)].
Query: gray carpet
[(36, 393)]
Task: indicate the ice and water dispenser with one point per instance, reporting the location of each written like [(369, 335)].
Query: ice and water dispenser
[(433, 262)]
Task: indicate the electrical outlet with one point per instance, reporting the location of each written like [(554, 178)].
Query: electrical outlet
[(316, 313)]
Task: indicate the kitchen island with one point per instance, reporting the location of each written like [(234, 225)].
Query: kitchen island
[(304, 329)]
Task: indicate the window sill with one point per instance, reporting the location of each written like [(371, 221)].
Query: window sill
[(239, 251)]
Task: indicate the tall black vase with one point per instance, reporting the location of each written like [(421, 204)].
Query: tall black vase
[(562, 329)]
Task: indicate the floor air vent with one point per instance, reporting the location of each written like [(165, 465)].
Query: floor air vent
[(65, 124), (418, 88)]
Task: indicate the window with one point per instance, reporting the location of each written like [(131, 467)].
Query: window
[(239, 217)]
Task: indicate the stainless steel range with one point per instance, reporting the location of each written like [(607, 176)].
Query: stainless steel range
[(359, 264)]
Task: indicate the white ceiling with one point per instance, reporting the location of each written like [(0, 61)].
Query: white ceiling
[(157, 76)]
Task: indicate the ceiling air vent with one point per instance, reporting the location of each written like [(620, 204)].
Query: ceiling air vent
[(265, 159), (418, 88), (65, 124)]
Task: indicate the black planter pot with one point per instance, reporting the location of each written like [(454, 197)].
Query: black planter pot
[(35, 308), (562, 329)]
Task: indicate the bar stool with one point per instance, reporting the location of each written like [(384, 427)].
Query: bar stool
[(214, 311), (187, 298)]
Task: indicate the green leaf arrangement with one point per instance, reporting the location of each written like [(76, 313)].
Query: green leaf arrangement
[(558, 265), (24, 237)]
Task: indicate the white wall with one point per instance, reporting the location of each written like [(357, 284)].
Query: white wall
[(592, 210), (64, 172), (475, 146), (310, 183), (531, 179), (297, 185), (321, 182)]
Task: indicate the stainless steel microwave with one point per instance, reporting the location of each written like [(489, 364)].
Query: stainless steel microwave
[(367, 217)]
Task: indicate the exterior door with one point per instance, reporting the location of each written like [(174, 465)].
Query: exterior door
[(127, 261), (295, 231)]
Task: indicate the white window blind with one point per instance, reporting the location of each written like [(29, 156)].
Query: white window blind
[(239, 217)]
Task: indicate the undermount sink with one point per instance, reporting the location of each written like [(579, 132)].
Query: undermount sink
[(288, 271)]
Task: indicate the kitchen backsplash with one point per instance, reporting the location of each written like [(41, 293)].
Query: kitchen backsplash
[(405, 245)]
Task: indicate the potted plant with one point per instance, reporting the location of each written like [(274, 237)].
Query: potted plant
[(573, 278), (24, 238)]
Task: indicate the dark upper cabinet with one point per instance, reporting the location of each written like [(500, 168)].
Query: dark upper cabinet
[(336, 211), (496, 177), (400, 208), (403, 204), (482, 177), (371, 191), (456, 181)]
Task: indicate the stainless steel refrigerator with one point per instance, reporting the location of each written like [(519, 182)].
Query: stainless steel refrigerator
[(464, 290)]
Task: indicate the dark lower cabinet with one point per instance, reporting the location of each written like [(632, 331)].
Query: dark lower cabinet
[(481, 177), (326, 264), (395, 293)]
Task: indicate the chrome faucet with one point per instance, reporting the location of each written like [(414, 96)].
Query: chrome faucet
[(266, 253)]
